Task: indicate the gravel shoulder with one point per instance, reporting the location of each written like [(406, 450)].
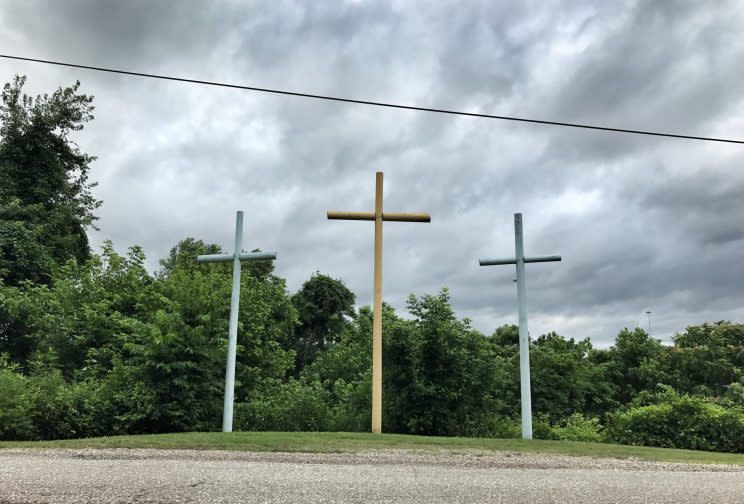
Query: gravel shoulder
[(392, 476), (442, 458)]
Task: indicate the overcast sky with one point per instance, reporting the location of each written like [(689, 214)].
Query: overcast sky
[(643, 223)]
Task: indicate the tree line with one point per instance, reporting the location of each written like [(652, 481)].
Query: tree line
[(93, 344)]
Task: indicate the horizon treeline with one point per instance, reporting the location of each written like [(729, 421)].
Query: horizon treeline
[(93, 344)]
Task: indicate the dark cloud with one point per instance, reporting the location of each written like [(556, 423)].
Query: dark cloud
[(642, 222)]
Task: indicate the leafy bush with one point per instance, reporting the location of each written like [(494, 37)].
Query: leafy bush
[(124, 403), (59, 410), (680, 421), (14, 420), (291, 406), (576, 427), (541, 428), (351, 410), (505, 427), (579, 428)]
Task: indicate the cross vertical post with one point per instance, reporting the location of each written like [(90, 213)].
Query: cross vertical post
[(377, 316), (379, 217), (524, 339), (232, 332), (232, 335)]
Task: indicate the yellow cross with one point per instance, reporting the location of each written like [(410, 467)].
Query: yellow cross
[(378, 216)]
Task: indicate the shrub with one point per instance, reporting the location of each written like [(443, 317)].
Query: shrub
[(541, 428), (680, 421), (60, 410), (578, 428), (125, 403), (505, 428), (350, 408), (729, 431), (14, 420), (291, 406)]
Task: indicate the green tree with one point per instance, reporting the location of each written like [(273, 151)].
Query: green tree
[(45, 196), (196, 322), (708, 358), (442, 375), (81, 321), (324, 306), (506, 336), (117, 350), (635, 363), (183, 256), (564, 379)]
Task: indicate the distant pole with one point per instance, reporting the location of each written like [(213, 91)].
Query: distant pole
[(524, 335), (232, 334), (649, 322)]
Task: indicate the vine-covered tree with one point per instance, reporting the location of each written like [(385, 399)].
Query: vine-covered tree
[(324, 306), (46, 202)]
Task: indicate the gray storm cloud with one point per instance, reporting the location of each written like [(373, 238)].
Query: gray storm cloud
[(643, 223)]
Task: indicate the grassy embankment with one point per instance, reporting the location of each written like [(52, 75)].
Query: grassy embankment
[(335, 442)]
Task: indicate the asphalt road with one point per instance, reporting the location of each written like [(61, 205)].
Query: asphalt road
[(135, 476)]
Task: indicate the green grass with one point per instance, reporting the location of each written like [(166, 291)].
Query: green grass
[(337, 442)]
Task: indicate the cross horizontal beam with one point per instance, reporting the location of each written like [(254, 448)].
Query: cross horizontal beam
[(497, 262), (386, 216), (245, 256)]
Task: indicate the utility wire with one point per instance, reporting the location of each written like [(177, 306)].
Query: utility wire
[(375, 103)]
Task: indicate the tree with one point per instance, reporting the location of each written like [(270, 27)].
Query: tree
[(345, 370), (185, 362), (324, 306), (506, 335), (441, 375), (45, 196), (183, 256), (82, 319), (708, 358), (565, 381), (635, 363)]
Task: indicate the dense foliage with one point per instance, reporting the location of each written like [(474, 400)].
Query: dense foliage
[(95, 344), (45, 198)]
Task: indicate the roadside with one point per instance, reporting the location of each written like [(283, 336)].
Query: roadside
[(390, 476), (345, 442), (477, 459)]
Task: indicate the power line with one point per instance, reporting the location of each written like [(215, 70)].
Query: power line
[(375, 103)]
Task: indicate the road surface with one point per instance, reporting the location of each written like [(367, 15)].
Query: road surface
[(137, 476)]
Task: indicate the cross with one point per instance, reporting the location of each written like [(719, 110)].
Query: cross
[(524, 349), (232, 340), (378, 216)]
